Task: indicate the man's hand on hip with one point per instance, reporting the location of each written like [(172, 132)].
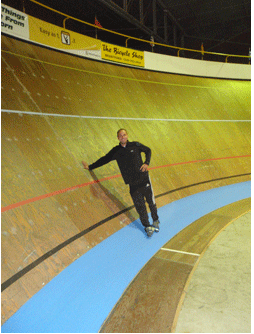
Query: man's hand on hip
[(144, 168)]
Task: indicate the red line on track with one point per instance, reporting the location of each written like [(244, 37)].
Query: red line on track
[(34, 199)]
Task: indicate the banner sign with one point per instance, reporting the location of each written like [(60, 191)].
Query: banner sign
[(19, 24), (57, 37), (14, 22), (122, 55)]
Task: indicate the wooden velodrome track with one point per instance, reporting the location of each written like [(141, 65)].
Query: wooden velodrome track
[(69, 110)]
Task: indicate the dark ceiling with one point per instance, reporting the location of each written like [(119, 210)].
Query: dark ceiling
[(223, 26)]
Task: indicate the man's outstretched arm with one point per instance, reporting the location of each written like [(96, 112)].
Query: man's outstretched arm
[(100, 162)]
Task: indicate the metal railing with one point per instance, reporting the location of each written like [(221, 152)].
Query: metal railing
[(177, 50)]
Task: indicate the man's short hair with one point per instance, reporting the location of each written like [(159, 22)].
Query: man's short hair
[(120, 130)]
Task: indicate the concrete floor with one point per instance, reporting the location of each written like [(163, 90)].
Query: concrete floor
[(218, 298)]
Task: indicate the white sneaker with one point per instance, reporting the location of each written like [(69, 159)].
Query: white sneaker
[(149, 230), (156, 226)]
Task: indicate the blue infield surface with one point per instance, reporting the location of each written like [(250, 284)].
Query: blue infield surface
[(81, 297)]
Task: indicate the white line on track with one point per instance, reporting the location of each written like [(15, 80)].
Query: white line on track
[(177, 251), (122, 118)]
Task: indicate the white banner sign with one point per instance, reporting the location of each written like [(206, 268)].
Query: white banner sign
[(14, 22)]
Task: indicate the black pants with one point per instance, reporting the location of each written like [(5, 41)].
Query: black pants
[(139, 194)]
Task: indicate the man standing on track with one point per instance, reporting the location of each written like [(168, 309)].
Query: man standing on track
[(135, 173)]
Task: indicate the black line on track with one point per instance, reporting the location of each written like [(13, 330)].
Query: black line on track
[(32, 265)]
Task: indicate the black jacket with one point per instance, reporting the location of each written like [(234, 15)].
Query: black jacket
[(129, 161)]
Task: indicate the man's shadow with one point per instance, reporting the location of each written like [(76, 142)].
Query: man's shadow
[(112, 202)]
